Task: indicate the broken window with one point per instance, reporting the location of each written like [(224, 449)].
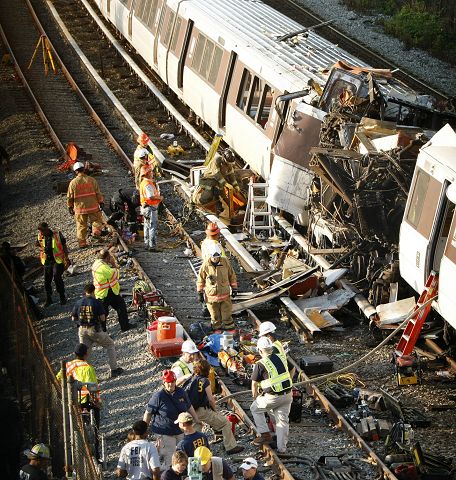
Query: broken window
[(244, 89), (265, 107), (255, 98), (418, 196)]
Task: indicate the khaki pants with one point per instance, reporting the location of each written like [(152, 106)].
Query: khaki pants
[(279, 406), (221, 314), (218, 422), (81, 225), (166, 446), (88, 336)]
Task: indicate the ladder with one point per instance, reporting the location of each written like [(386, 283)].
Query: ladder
[(258, 215), (414, 325)]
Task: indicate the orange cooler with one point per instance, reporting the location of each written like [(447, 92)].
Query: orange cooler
[(166, 328)]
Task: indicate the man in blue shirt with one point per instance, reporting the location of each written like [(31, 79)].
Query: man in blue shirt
[(192, 439), (162, 411), (89, 313)]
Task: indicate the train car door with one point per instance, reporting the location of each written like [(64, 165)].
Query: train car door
[(130, 18), (159, 23), (225, 90)]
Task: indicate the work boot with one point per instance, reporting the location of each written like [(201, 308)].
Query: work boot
[(265, 438), (63, 300), (48, 301)]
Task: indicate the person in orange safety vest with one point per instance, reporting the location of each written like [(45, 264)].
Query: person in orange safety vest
[(216, 279), (85, 202), (150, 199), (144, 156), (53, 256)]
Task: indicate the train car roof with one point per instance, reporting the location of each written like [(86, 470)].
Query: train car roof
[(252, 29)]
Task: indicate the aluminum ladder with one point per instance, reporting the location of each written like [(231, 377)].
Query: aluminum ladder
[(415, 324), (258, 215)]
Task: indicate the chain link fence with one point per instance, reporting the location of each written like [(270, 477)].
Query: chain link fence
[(46, 418)]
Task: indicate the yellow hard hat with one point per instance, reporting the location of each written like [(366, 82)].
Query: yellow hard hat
[(204, 454)]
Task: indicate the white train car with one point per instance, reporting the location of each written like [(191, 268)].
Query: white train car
[(428, 231), (226, 60)]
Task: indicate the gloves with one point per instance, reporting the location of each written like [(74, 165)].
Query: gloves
[(70, 210), (234, 292), (101, 206), (201, 297)]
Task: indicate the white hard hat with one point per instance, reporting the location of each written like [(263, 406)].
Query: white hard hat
[(264, 343), (189, 347), (267, 327), (77, 166), (143, 153), (215, 249)]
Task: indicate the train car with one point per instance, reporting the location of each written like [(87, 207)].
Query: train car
[(427, 239), (251, 74)]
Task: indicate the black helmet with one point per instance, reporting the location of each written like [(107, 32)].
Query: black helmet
[(229, 155)]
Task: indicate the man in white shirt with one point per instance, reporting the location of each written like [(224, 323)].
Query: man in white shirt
[(139, 458)]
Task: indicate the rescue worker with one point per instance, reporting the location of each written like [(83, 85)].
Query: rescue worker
[(139, 458), (53, 256), (89, 313), (144, 156), (199, 391), (249, 469), (215, 278), (266, 330), (213, 468), (163, 410), (38, 457), (179, 462), (192, 438), (212, 238), (273, 375), (183, 368), (150, 199), (85, 202), (128, 197), (105, 274)]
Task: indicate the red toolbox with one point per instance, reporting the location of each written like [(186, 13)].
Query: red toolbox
[(166, 348)]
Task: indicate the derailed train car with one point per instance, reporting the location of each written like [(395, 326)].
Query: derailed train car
[(255, 76)]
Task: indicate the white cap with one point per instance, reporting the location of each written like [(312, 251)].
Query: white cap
[(77, 166), (249, 463), (189, 347), (267, 327), (143, 153), (264, 343), (215, 249)]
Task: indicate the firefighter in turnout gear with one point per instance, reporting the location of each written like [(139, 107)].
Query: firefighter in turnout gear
[(273, 375), (53, 256), (105, 274), (212, 238), (217, 280), (183, 368), (85, 202), (144, 156), (150, 199)]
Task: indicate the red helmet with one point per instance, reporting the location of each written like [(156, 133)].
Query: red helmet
[(212, 229), (168, 376), (143, 139), (145, 171)]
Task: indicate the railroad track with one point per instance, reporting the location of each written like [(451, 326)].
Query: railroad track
[(179, 291)]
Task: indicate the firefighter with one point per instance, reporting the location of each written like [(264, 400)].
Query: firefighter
[(266, 330), (213, 468), (144, 156), (215, 278), (273, 375), (212, 238), (183, 368), (105, 275), (85, 202), (38, 457), (53, 256), (150, 199)]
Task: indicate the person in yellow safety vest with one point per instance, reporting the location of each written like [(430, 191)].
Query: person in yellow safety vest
[(53, 256), (212, 238), (273, 375), (183, 368), (150, 199), (85, 202), (105, 274), (266, 330), (216, 278), (142, 156)]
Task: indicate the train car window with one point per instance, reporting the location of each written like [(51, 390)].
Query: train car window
[(255, 96), (207, 57), (139, 8), (152, 14), (265, 106), (124, 2), (169, 26), (176, 34), (244, 89), (215, 65), (198, 55), (146, 12), (418, 196)]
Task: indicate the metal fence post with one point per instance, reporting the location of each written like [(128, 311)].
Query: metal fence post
[(70, 417), (65, 414)]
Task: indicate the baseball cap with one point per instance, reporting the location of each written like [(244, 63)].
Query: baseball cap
[(249, 463), (184, 417), (168, 376), (81, 349)]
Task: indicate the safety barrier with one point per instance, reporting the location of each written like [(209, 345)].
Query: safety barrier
[(45, 417)]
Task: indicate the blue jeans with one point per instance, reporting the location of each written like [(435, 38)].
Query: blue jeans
[(151, 227)]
